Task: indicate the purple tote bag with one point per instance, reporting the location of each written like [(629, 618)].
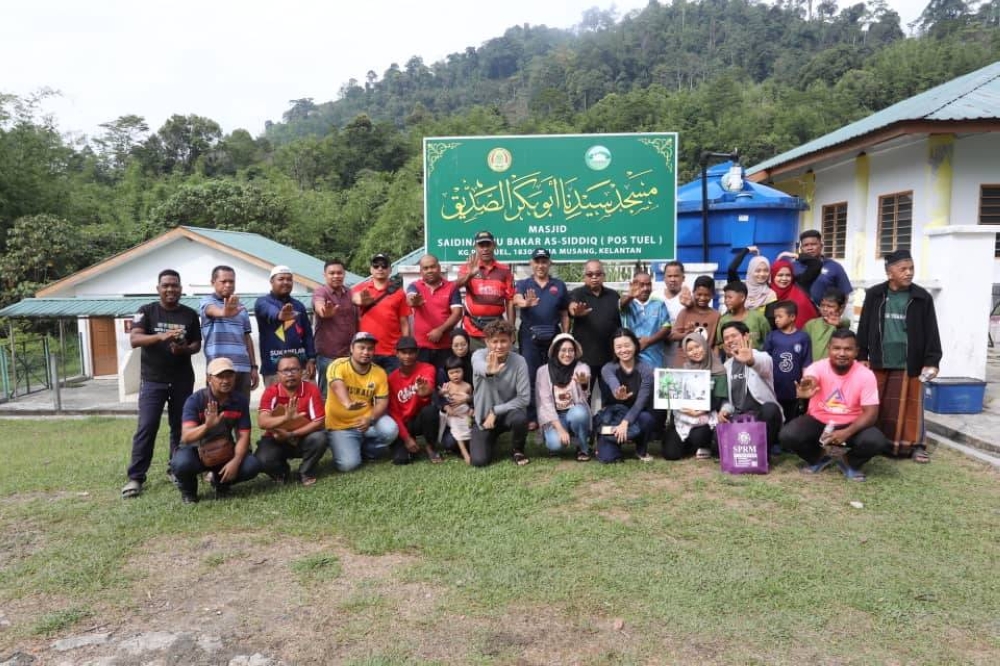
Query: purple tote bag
[(743, 445)]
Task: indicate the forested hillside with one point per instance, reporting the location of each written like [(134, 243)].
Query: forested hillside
[(343, 177)]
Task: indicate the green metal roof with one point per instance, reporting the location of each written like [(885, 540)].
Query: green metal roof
[(975, 96), (56, 308), (272, 252)]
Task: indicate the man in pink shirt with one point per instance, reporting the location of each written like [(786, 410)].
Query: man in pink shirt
[(843, 410)]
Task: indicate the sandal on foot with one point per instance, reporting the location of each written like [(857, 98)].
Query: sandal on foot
[(435, 457), (132, 489), (582, 456), (702, 454), (520, 459), (645, 457), (308, 480), (817, 467), (920, 455), (851, 473)]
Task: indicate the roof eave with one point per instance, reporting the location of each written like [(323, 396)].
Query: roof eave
[(866, 141)]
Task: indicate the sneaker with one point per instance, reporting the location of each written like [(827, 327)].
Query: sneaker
[(851, 473), (702, 454), (818, 467), (645, 457)]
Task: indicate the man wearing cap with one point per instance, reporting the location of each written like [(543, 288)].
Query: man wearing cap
[(291, 411), (216, 412), (542, 301), (283, 326), (382, 312), (336, 319), (226, 330), (489, 288), (356, 402), (437, 309), (168, 333), (898, 338), (831, 275), (411, 387)]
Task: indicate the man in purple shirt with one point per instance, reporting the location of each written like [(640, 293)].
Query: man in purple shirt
[(336, 319)]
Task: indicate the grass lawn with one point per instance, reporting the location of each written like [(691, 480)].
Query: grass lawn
[(556, 562)]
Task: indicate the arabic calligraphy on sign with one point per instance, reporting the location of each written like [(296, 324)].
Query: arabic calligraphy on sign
[(534, 196)]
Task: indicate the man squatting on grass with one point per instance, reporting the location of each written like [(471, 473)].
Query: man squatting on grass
[(500, 395)]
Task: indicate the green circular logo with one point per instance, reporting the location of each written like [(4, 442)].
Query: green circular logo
[(598, 158)]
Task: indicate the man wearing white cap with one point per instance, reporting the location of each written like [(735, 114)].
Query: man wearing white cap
[(283, 326), (215, 435)]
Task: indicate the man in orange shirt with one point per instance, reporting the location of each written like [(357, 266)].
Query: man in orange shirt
[(382, 311)]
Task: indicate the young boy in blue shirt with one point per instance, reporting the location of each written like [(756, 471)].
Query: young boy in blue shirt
[(791, 350)]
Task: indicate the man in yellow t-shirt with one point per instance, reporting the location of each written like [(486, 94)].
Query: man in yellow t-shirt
[(357, 425)]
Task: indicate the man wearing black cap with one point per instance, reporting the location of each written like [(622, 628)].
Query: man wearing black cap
[(411, 387), (543, 301), (489, 288), (382, 311), (898, 337)]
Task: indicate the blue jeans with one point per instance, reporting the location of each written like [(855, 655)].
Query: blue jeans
[(535, 356), (187, 466), (152, 398), (387, 363), (350, 446), (322, 363), (577, 421)]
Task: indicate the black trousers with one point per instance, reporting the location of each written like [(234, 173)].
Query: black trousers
[(770, 414), (424, 424), (802, 436), (700, 437), (483, 442), (274, 455)]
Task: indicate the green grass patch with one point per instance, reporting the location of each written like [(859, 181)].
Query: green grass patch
[(52, 623), (776, 569)]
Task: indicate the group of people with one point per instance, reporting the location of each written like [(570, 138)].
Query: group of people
[(458, 363)]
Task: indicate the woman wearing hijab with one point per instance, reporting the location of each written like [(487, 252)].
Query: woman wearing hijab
[(692, 431), (785, 288), (562, 396), (759, 292)]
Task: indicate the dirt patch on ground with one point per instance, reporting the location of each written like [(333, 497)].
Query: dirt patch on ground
[(264, 599)]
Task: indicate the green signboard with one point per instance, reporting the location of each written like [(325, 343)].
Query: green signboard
[(581, 196)]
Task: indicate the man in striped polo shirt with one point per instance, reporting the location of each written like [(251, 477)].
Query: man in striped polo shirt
[(225, 330)]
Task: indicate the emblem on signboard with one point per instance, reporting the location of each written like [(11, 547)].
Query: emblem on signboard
[(598, 158), (499, 159)]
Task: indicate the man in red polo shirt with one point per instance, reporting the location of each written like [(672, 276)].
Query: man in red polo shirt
[(437, 309), (489, 288), (411, 389), (382, 311)]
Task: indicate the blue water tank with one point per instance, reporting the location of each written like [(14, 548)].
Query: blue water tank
[(751, 214)]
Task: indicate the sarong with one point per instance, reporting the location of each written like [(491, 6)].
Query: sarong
[(901, 410)]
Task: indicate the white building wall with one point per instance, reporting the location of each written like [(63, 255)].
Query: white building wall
[(977, 162), (896, 170), (193, 261)]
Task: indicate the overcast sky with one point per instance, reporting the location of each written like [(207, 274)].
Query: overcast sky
[(240, 62)]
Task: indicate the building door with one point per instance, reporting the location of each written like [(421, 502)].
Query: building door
[(103, 348)]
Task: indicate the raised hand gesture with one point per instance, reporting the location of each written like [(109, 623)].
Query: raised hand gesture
[(291, 411), (424, 388), (581, 378), (232, 306), (493, 363), (622, 393), (530, 298), (807, 388), (212, 417), (579, 309), (286, 313), (414, 299)]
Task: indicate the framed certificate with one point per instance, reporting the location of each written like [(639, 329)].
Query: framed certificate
[(682, 389)]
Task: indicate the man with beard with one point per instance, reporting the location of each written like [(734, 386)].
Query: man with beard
[(283, 326), (292, 413), (842, 395)]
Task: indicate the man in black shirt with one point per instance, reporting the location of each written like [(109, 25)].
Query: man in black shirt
[(168, 334), (595, 311)]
